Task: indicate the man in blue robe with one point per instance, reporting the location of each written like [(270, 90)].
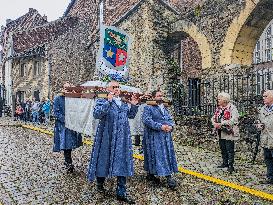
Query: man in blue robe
[(64, 139), (112, 153), (159, 155)]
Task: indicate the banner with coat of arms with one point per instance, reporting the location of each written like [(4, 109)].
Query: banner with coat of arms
[(113, 52)]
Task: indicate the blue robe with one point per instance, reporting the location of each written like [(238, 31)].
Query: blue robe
[(63, 138), (159, 155), (112, 153)]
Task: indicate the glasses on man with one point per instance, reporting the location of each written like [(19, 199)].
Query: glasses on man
[(117, 86)]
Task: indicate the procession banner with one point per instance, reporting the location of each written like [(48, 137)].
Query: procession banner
[(113, 54), (79, 112)]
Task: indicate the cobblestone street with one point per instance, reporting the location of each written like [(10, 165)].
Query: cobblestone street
[(30, 173)]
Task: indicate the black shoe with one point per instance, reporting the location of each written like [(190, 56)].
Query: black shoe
[(230, 169), (171, 183), (69, 167), (126, 199), (101, 189), (267, 181), (222, 166), (152, 178)]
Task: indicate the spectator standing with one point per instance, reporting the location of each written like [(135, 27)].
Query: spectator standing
[(46, 111), (35, 111)]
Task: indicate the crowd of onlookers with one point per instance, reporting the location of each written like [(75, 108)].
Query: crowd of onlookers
[(35, 111)]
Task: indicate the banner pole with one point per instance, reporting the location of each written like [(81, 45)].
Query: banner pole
[(101, 14), (101, 17)]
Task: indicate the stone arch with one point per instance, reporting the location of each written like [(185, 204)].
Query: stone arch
[(245, 31), (192, 30)]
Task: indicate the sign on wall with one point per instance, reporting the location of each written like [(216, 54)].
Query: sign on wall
[(113, 53)]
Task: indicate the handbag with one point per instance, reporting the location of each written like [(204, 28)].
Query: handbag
[(226, 129)]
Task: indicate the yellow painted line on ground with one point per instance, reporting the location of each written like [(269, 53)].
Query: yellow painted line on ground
[(228, 184), (87, 141), (38, 129), (215, 180), (138, 156)]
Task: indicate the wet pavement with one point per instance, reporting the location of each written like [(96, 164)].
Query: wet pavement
[(30, 173)]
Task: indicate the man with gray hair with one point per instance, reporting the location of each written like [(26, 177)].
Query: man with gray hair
[(266, 126)]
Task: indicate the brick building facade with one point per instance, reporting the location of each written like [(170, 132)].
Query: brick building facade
[(172, 40), (25, 22)]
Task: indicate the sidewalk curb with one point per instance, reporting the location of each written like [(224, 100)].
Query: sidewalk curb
[(214, 180)]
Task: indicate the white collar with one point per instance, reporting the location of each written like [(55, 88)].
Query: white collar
[(117, 100), (161, 105)]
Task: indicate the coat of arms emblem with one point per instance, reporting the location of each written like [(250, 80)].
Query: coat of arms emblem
[(113, 52)]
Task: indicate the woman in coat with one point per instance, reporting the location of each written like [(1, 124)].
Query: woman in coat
[(225, 122)]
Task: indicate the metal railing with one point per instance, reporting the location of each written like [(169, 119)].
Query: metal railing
[(198, 96)]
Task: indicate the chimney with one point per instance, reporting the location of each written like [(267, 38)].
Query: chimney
[(45, 17), (8, 21), (31, 10)]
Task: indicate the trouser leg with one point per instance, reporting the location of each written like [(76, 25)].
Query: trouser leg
[(67, 156), (230, 151), (29, 116), (268, 159), (121, 186), (171, 182), (38, 117), (46, 118), (100, 181), (33, 117), (137, 140), (25, 116), (222, 144)]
